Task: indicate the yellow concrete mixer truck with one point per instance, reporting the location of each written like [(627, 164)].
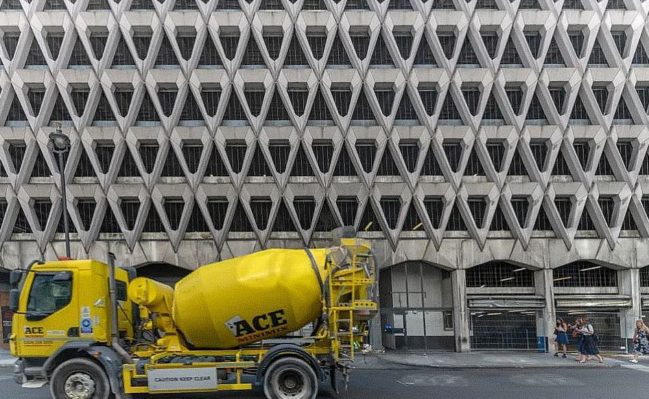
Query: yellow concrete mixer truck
[(95, 331)]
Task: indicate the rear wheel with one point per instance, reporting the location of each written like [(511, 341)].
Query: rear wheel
[(79, 379), (290, 378)]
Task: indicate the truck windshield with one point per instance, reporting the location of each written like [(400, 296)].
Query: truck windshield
[(48, 294)]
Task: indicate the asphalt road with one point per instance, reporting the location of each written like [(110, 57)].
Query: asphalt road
[(452, 384)]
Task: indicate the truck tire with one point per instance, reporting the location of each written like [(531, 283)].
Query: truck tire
[(290, 378), (79, 379)]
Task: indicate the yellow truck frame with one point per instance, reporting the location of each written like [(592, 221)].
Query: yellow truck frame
[(289, 367)]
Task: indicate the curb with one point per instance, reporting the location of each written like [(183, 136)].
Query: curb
[(610, 364), (7, 362)]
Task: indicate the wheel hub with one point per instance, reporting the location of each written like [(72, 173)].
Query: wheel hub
[(291, 383), (79, 386)]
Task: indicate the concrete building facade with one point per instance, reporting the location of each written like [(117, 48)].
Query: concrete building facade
[(494, 151)]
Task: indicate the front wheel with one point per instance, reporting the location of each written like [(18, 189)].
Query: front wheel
[(79, 379), (290, 378)]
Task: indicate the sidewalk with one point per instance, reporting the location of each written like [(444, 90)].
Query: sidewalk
[(477, 360), (6, 360)]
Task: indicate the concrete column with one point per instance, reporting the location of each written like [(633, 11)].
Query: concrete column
[(544, 287), (629, 285), (460, 312)]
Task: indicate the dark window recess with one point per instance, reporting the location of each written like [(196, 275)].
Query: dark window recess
[(259, 166), (271, 5), (363, 111), (369, 221), (554, 56), (347, 207), (486, 4), (492, 109), (172, 167), (625, 148), (185, 5), (429, 99), (542, 221), (236, 152), (320, 109), (424, 55), (453, 151), (277, 111), (406, 111), (640, 57), (399, 5), (387, 167), (148, 153), (261, 208), (295, 55), (11, 42), (597, 56), (357, 5), (196, 222), (191, 110), (366, 153), (622, 112), (167, 98), (210, 97), (60, 111), (515, 97), (174, 209), (404, 42), (42, 208), (11, 5), (444, 5), (521, 206), (455, 220), (21, 225), (152, 223), (477, 207), (607, 205), (147, 111), (128, 168), (573, 5), (314, 5), (228, 5), (186, 44), (558, 95), (123, 54), (629, 222), (510, 55), (474, 166), (283, 220), (391, 206), (560, 166), (35, 97), (35, 56), (323, 151), (103, 112), (361, 43), (217, 207), (601, 95), (643, 93), (40, 168), (496, 151), (123, 99), (301, 166), (381, 54), (472, 98), (467, 54), (619, 38), (86, 208), (338, 55), (585, 221), (447, 40), (498, 222), (385, 99), (431, 166), (142, 5), (616, 5), (604, 167), (534, 42), (279, 153), (240, 221), (410, 154), (584, 274), (344, 165), (230, 43), (209, 54), (255, 99), (215, 164), (54, 41), (517, 167), (327, 220), (84, 167), (577, 40), (490, 40), (273, 44), (166, 56), (142, 41), (317, 41), (434, 209), (79, 56), (412, 222), (342, 99), (536, 111), (539, 149), (305, 209), (298, 98), (499, 274), (79, 99), (104, 153), (582, 149), (252, 56)]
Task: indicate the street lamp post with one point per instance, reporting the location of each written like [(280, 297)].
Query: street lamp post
[(61, 146)]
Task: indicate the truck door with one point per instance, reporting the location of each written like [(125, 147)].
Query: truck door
[(48, 316)]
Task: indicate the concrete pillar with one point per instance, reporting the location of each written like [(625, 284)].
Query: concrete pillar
[(460, 311), (629, 285), (544, 287)]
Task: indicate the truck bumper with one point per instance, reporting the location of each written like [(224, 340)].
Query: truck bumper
[(19, 372)]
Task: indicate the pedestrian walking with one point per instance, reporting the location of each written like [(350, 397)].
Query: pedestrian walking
[(589, 347), (578, 336), (561, 338), (640, 340)]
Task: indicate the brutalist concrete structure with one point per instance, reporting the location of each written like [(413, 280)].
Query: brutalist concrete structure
[(495, 151)]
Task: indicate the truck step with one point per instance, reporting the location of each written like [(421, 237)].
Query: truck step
[(34, 384)]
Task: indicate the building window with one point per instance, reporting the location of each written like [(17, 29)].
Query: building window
[(236, 152), (54, 41), (123, 98), (217, 208), (42, 208), (260, 208), (391, 207), (174, 209), (86, 208), (472, 98), (279, 153), (305, 209), (410, 153), (453, 150), (342, 99), (323, 151), (584, 274), (499, 274), (366, 152), (539, 149), (477, 207), (148, 153), (347, 206)]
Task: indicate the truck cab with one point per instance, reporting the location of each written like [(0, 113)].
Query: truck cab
[(62, 308)]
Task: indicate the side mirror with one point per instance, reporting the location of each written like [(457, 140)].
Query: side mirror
[(14, 298), (14, 277)]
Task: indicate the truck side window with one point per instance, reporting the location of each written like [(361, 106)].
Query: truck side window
[(49, 294), (122, 290)]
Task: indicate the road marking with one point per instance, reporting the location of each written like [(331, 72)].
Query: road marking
[(6, 377), (426, 380), (637, 367), (544, 380)]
